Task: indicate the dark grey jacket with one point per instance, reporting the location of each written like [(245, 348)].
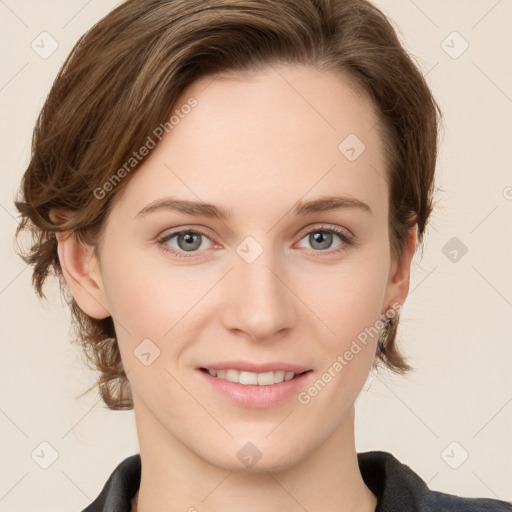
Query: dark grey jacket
[(397, 487)]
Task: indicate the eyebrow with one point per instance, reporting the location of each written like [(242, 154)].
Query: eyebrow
[(300, 209)]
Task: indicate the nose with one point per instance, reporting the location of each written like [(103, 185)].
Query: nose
[(259, 301)]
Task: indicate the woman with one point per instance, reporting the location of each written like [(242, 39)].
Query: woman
[(233, 193)]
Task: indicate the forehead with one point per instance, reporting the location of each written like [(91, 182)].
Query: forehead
[(274, 135)]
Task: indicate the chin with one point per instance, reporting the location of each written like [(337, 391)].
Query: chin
[(253, 456)]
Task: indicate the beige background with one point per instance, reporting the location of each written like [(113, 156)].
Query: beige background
[(456, 323)]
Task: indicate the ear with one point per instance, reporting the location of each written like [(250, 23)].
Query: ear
[(81, 270), (399, 277)]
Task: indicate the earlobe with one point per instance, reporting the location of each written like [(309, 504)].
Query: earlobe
[(81, 271)]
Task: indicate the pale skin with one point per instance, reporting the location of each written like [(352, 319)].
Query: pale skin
[(254, 146)]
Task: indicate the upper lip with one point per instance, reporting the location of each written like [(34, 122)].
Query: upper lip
[(247, 366)]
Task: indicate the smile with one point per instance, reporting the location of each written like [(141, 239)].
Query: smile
[(251, 378)]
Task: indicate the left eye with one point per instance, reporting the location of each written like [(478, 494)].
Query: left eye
[(322, 239)]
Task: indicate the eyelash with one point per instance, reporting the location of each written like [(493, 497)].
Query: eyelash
[(347, 240)]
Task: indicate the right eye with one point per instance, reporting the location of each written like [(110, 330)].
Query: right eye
[(186, 241)]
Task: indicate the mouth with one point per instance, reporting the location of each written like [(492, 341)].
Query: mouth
[(250, 378)]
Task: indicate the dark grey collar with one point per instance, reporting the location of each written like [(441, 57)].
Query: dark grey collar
[(397, 487)]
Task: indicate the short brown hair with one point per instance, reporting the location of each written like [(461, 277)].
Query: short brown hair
[(124, 75)]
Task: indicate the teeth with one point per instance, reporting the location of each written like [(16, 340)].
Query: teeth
[(261, 379)]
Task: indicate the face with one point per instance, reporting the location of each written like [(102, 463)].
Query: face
[(272, 280)]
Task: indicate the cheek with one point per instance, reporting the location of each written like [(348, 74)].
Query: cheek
[(146, 296), (351, 299), (148, 307), (351, 310)]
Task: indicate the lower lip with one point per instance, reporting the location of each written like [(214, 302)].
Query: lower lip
[(251, 395)]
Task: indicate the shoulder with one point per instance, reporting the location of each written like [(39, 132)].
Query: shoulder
[(398, 487), (447, 502), (120, 487)]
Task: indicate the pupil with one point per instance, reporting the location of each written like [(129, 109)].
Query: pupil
[(324, 239), (189, 240)]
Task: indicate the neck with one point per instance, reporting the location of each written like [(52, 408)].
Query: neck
[(174, 478)]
